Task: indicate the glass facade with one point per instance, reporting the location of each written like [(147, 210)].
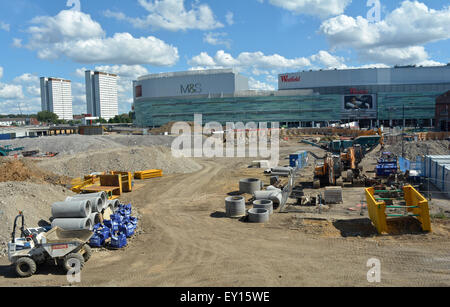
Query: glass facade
[(288, 109)]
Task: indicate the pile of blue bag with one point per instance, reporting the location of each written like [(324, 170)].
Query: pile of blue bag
[(120, 227)]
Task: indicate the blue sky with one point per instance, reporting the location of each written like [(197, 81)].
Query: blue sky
[(260, 38)]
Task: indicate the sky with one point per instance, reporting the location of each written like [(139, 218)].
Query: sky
[(258, 38)]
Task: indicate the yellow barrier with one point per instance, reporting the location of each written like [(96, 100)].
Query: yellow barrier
[(376, 211), (416, 206), (152, 173), (419, 206), (78, 184)]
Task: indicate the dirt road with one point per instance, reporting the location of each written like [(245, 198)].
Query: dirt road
[(187, 241)]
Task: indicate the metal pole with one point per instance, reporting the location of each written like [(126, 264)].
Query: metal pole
[(428, 178), (403, 131)]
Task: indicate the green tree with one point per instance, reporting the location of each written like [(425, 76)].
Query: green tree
[(121, 119), (101, 121), (47, 117)]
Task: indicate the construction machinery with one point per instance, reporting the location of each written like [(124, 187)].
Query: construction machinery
[(328, 171), (342, 162), (7, 149), (367, 143), (40, 245), (387, 165)]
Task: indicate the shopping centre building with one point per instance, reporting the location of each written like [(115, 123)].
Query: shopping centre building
[(375, 96)]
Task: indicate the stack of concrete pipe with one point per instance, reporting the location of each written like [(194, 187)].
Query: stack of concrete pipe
[(282, 171), (70, 215), (264, 204), (273, 194)]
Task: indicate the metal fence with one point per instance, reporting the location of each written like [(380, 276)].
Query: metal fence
[(287, 190)]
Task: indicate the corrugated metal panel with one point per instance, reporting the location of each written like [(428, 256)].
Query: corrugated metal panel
[(359, 77), (185, 85)]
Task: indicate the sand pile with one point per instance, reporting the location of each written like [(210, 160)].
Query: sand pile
[(23, 170)]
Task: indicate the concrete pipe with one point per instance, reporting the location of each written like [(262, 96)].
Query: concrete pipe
[(264, 204), (258, 215), (95, 218), (81, 208), (102, 195), (90, 195), (96, 202), (272, 188), (235, 206), (282, 170), (113, 204), (73, 224), (249, 185), (274, 195)]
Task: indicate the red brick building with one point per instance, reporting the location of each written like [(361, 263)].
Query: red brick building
[(443, 112)]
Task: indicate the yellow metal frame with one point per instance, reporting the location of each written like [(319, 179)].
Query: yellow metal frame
[(415, 200), (152, 173)]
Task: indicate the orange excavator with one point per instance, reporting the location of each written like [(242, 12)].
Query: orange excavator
[(328, 172)]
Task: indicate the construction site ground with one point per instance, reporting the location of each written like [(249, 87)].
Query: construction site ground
[(185, 239)]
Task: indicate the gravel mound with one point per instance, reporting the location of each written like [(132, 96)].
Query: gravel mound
[(33, 199), (124, 159), (73, 144), (414, 149)]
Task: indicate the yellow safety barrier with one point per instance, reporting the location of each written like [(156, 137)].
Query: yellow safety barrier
[(419, 206), (376, 211), (416, 206), (152, 173), (79, 184)]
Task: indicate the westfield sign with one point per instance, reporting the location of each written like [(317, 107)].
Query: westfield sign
[(286, 78)]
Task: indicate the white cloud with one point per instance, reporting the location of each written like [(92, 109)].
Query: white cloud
[(229, 17), (68, 25), (17, 42), (75, 35), (79, 72), (4, 26), (1, 72), (248, 60), (34, 90), (124, 71), (27, 78), (172, 15), (216, 39), (203, 59), (259, 85), (31, 83), (321, 8), (11, 91), (326, 60), (397, 39)]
